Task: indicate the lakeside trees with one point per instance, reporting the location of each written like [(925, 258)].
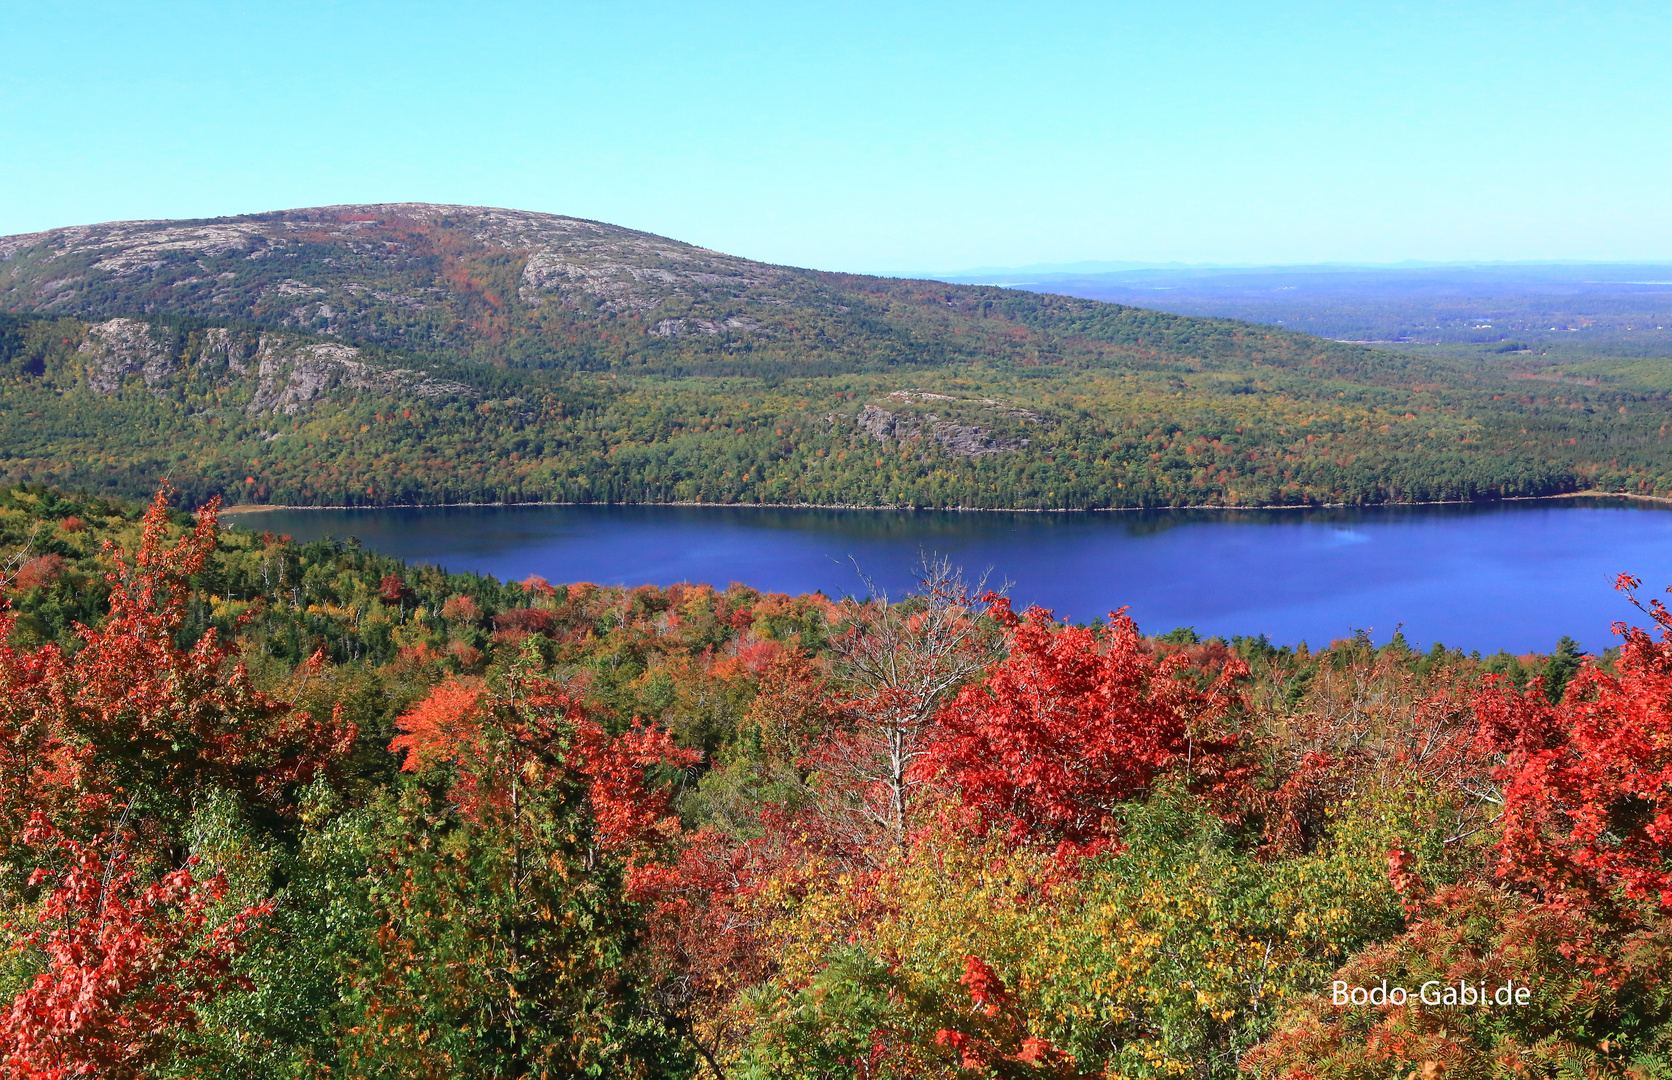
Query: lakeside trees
[(283, 810), (1132, 412)]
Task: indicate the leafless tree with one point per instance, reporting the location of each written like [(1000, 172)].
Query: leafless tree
[(897, 665)]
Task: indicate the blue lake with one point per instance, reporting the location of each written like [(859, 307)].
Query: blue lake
[(1507, 575)]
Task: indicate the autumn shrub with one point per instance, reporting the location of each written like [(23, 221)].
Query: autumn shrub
[(1073, 722), (1575, 1019)]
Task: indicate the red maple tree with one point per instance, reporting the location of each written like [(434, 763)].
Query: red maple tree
[(1587, 783), (133, 714), (1075, 721), (126, 966), (134, 720)]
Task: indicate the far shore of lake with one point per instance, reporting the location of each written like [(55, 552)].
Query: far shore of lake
[(257, 508)]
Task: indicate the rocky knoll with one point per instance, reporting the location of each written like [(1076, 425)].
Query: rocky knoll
[(277, 374)]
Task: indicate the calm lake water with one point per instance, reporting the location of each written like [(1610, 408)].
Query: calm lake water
[(1511, 575)]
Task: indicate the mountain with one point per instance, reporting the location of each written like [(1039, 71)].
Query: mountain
[(409, 352)]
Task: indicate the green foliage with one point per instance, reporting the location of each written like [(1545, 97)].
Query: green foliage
[(827, 1029), (1191, 947), (245, 376), (1562, 666)]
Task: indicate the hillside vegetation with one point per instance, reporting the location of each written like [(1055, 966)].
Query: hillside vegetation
[(413, 353), (301, 812)]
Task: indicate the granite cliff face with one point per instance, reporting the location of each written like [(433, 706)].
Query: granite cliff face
[(991, 426), (270, 373)]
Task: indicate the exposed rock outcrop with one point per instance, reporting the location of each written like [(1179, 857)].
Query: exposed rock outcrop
[(118, 348), (711, 327), (289, 375), (964, 440)]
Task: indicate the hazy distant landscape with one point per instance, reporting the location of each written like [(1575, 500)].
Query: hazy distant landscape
[(1611, 307)]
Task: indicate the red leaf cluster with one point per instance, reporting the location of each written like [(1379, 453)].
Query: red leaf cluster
[(1587, 784), (37, 572), (392, 590), (525, 620), (126, 966), (440, 729), (999, 1045), (629, 813), (491, 739), (1072, 723)]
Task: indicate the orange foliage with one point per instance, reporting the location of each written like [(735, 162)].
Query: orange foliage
[(461, 609), (439, 729)]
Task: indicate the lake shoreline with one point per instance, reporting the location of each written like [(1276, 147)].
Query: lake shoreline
[(258, 508)]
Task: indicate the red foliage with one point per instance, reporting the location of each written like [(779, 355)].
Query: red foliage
[(461, 609), (709, 933), (628, 812), (1587, 784), (72, 524), (758, 657), (468, 657), (1074, 722), (999, 1045), (491, 739), (525, 620), (392, 589), (132, 710), (125, 966), (538, 585), (38, 572), (440, 729)]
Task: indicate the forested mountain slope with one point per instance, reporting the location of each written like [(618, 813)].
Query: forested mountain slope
[(419, 353)]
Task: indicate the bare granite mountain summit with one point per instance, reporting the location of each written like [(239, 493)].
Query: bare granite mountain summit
[(328, 268)]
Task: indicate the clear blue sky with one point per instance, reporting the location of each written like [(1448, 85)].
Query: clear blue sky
[(874, 136)]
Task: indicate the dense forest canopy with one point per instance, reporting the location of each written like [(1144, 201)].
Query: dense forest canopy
[(408, 353), (272, 810)]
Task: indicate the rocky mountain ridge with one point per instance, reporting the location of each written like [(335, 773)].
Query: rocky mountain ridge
[(410, 352), (326, 268)]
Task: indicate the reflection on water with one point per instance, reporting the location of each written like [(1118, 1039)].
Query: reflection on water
[(1505, 575)]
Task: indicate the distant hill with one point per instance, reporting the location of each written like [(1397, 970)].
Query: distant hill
[(1620, 308), (410, 352)]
